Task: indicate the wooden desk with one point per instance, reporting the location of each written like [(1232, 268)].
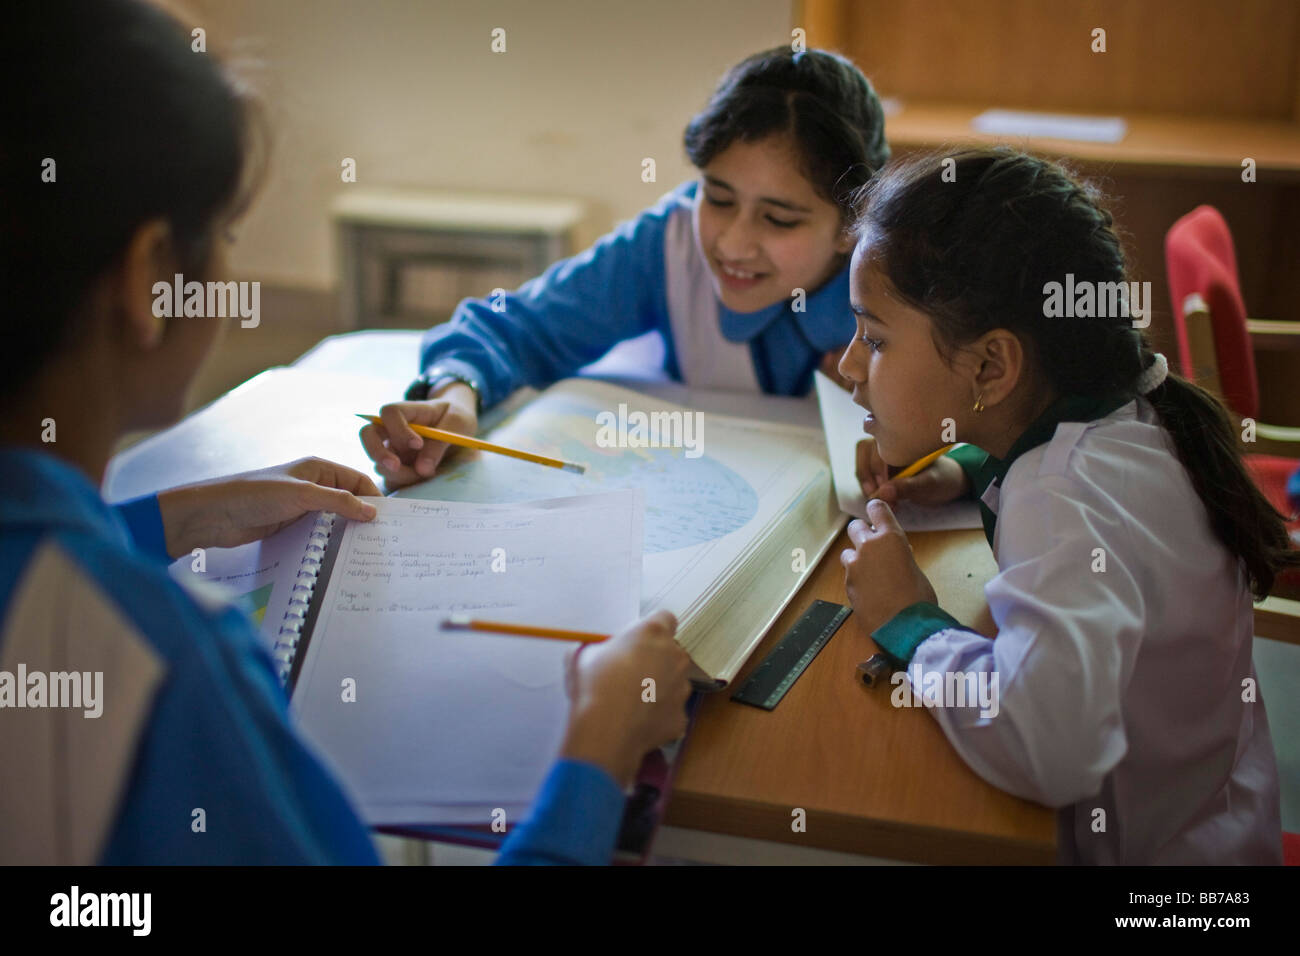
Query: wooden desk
[(874, 779)]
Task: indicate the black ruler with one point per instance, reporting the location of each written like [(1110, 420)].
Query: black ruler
[(791, 657)]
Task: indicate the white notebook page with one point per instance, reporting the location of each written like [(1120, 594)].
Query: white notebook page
[(447, 719)]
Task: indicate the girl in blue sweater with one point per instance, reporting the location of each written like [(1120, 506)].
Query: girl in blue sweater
[(743, 271)]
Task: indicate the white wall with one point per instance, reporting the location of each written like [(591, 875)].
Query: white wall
[(412, 91)]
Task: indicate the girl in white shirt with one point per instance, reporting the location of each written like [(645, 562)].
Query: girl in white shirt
[(1129, 538)]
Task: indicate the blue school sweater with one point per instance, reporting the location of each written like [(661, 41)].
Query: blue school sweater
[(581, 307), (192, 717)]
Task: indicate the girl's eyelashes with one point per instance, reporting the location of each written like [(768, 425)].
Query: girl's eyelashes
[(874, 344), (779, 223)]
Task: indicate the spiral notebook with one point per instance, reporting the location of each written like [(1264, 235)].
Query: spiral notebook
[(273, 581), (426, 726)]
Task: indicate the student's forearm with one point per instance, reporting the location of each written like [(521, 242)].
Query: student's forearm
[(460, 393), (597, 742), (1002, 735), (182, 516)]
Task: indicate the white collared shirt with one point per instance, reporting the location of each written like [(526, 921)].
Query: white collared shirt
[(1127, 693)]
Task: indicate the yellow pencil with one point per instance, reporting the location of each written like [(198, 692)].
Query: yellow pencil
[(463, 622), (453, 438), (921, 465)]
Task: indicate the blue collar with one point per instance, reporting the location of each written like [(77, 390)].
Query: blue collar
[(41, 492), (831, 297)]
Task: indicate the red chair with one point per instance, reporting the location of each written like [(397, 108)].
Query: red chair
[(1216, 350), (1216, 347)]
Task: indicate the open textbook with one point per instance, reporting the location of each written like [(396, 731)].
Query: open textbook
[(738, 512), (424, 725), (719, 522)]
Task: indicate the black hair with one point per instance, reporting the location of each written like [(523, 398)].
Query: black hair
[(820, 100), (138, 126), (972, 238)]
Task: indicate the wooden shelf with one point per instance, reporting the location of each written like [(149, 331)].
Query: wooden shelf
[(1159, 141), (1273, 333)]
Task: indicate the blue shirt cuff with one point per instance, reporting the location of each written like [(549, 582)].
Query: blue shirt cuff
[(902, 634), (143, 520), (470, 371), (575, 820)]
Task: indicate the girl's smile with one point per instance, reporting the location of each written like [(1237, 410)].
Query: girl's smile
[(735, 277), (762, 227)]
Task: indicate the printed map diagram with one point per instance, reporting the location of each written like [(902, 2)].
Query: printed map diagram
[(255, 601), (688, 500)]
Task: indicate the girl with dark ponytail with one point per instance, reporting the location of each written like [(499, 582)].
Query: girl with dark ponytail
[(1128, 535)]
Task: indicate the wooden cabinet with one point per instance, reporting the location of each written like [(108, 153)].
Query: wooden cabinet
[(1202, 84)]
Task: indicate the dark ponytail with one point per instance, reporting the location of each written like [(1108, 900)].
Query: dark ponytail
[(820, 100), (138, 126), (1242, 518), (972, 239)]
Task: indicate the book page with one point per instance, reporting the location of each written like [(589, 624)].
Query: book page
[(258, 577), (715, 486), (842, 419), (410, 715)]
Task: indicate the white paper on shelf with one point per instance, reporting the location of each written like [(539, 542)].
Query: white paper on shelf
[(1087, 129)]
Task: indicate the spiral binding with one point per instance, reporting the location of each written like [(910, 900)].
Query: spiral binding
[(304, 585)]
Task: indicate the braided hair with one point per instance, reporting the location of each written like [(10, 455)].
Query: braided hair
[(974, 239), (820, 100)]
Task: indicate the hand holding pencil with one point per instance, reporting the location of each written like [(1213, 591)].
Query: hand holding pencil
[(933, 482), (628, 691), (628, 695), (400, 455)]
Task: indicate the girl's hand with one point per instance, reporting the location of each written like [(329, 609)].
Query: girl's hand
[(938, 484), (611, 724), (880, 574), (226, 512), (400, 455)]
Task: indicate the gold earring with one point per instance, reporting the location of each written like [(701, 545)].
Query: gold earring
[(979, 404)]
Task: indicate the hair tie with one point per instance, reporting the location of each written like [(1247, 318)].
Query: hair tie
[(1154, 375)]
